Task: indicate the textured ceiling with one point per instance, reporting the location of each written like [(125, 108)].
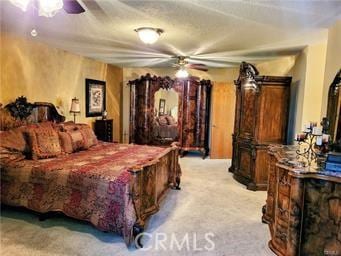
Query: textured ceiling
[(217, 33)]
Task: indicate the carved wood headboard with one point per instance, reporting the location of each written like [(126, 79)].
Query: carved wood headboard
[(20, 112)]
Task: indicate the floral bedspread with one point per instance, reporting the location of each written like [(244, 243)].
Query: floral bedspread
[(91, 185)]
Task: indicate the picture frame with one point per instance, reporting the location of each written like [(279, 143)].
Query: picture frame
[(162, 105), (94, 97)]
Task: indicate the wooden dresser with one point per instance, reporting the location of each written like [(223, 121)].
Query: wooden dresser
[(262, 108), (303, 206), (104, 129)]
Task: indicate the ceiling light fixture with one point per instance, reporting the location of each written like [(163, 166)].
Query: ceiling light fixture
[(47, 8), (149, 35), (182, 73), (34, 32)]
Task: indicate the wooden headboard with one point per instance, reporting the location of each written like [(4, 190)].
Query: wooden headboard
[(20, 112)]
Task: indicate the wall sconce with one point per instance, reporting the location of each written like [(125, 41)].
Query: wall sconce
[(75, 108)]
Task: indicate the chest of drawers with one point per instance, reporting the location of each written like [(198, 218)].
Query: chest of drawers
[(104, 130), (303, 209)]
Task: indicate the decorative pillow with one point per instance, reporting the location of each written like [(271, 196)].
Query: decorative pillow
[(163, 120), (7, 121), (77, 140), (14, 140), (89, 136), (170, 120), (44, 142), (68, 126), (8, 156), (65, 142)]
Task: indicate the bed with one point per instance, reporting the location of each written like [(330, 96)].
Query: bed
[(116, 187), (165, 127)]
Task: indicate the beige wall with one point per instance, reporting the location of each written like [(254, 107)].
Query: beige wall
[(333, 61), (308, 76), (280, 66), (298, 90), (313, 90), (44, 73)]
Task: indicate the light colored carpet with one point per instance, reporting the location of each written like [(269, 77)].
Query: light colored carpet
[(210, 201)]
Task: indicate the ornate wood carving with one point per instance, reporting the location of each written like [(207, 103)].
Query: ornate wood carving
[(247, 71), (21, 112), (303, 208), (20, 108), (150, 184), (193, 110), (262, 104), (163, 82)]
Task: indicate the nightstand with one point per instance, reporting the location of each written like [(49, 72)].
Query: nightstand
[(104, 130)]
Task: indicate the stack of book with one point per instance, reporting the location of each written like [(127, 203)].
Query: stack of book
[(333, 162)]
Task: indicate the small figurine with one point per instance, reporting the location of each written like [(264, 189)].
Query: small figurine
[(325, 125)]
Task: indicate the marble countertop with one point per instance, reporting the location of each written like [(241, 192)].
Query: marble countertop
[(287, 157)]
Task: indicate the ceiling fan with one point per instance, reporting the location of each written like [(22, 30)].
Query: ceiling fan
[(49, 8), (72, 7), (182, 64)]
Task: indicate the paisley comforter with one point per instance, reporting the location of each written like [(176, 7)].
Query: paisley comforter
[(93, 185)]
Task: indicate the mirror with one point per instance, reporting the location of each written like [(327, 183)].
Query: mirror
[(334, 108), (165, 125)]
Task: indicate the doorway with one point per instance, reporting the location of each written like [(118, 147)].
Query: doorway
[(222, 122)]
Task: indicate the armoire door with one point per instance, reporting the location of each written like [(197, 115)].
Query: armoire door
[(222, 113), (189, 114)]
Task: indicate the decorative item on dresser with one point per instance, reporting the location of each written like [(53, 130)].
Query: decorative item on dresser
[(262, 108), (303, 206), (192, 112), (104, 129)]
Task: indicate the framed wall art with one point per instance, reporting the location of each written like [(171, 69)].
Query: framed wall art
[(95, 97)]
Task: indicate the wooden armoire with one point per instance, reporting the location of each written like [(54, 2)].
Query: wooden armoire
[(193, 111), (261, 117)]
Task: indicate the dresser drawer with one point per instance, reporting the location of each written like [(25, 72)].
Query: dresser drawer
[(280, 238), (104, 130), (283, 182), (109, 125), (282, 208)]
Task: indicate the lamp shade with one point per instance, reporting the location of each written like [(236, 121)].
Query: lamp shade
[(75, 107)]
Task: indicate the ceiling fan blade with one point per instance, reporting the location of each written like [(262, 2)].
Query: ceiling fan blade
[(197, 66), (201, 69), (72, 7)]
